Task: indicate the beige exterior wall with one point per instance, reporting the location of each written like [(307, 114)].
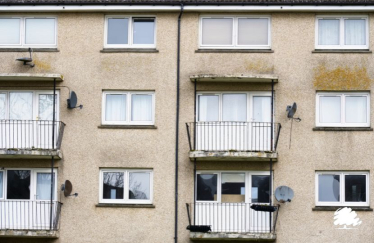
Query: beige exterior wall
[(86, 148)]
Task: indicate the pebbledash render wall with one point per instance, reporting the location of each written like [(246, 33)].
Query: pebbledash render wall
[(86, 148)]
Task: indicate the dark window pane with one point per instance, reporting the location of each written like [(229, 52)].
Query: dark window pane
[(118, 31), (260, 189), (355, 188), (18, 184), (233, 187), (113, 185), (206, 187), (328, 188)]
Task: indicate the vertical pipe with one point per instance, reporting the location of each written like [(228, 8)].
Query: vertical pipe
[(271, 147), (194, 115), (194, 190), (177, 128), (53, 147)]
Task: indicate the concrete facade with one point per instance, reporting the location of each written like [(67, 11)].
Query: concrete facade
[(87, 147)]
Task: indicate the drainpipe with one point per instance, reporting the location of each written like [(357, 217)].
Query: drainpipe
[(177, 127), (272, 148), (53, 147)]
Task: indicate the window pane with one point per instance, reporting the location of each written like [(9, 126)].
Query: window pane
[(329, 109), (260, 189), (1, 184), (233, 187), (40, 31), (143, 31), (355, 188), (118, 30), (206, 188), (115, 107), (328, 188), (234, 107), (208, 108), (43, 186), (217, 31), (261, 109), (355, 109), (18, 184), (139, 185), (141, 107), (10, 31), (46, 107), (253, 31), (20, 105), (2, 106), (355, 31), (113, 185), (328, 31)]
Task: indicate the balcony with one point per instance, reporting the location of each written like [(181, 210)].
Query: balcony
[(233, 141), (30, 139), (34, 219), (230, 221)]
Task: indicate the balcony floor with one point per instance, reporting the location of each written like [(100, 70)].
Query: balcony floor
[(30, 154), (196, 236), (233, 156), (29, 234)]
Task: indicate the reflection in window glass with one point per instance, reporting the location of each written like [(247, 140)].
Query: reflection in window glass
[(18, 184), (139, 185), (20, 105), (46, 107), (260, 189), (328, 188), (113, 185), (355, 188), (118, 29), (233, 187), (143, 29), (206, 187)]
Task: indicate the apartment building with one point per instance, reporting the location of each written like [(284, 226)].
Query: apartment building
[(155, 116)]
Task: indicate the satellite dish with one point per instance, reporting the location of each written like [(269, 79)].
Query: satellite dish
[(27, 60), (72, 101), (291, 110), (68, 188), (284, 194)]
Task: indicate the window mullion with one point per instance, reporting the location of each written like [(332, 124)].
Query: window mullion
[(342, 32), (126, 186), (342, 109)]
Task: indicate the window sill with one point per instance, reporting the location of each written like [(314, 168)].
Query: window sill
[(364, 51), (127, 127), (27, 49), (343, 129), (334, 208), (119, 205), (234, 51), (129, 50)]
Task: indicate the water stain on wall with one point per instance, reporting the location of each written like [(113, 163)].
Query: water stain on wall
[(341, 78), (41, 65), (260, 66)]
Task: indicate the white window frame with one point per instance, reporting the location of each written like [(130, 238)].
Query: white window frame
[(235, 33), (128, 108), (130, 30), (248, 183), (342, 32), (126, 199), (342, 107), (33, 183), (220, 94), (342, 188), (22, 41)]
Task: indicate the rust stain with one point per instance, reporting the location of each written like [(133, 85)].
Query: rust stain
[(260, 67), (341, 78), (42, 65)]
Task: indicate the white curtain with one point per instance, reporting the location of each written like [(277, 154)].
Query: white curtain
[(10, 31), (234, 107), (262, 109), (115, 108), (252, 31), (330, 109), (20, 106), (208, 108), (217, 31), (40, 31), (355, 31), (141, 107), (355, 109), (2, 106), (328, 31), (43, 186), (1, 183)]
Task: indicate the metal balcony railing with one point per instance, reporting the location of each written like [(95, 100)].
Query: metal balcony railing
[(230, 218), (30, 134), (29, 215), (237, 136)]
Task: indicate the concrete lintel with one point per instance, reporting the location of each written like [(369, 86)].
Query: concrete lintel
[(30, 77), (232, 156), (197, 236), (29, 154), (29, 234), (258, 78)]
